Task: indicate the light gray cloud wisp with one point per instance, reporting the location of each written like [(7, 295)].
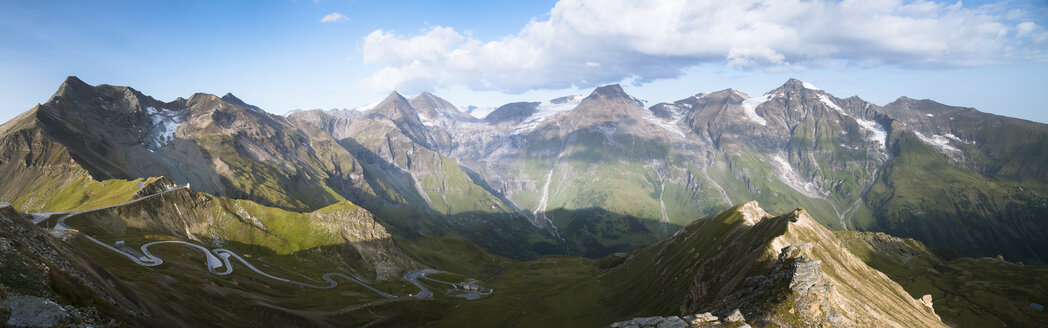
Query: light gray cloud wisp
[(588, 42)]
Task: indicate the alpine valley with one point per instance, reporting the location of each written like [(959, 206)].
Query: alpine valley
[(581, 211)]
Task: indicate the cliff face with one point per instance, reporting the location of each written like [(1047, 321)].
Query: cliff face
[(787, 270)]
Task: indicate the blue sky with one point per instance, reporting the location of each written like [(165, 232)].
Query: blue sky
[(281, 55)]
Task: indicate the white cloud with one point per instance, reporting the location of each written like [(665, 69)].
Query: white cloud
[(646, 40), (334, 18)]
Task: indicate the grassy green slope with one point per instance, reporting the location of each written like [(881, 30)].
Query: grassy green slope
[(922, 196), (423, 193), (604, 190), (340, 237), (278, 185), (40, 174), (966, 292)]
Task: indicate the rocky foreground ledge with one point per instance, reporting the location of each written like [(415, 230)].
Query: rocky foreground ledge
[(702, 320)]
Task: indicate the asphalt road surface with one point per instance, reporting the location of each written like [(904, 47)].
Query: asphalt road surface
[(219, 258)]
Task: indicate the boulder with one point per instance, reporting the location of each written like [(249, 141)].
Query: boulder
[(32, 311), (735, 316), (698, 319)]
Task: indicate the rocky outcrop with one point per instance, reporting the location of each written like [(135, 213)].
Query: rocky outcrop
[(31, 311), (701, 320), (797, 282), (372, 243)]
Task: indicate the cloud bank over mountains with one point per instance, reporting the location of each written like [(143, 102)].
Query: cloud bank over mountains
[(584, 43)]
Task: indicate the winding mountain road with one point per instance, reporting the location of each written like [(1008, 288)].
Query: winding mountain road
[(220, 257)]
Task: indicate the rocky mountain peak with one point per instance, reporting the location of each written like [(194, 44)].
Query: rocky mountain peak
[(429, 101), (72, 86), (72, 89), (914, 110), (395, 106), (430, 106), (204, 100), (512, 112), (394, 95), (752, 213), (75, 94), (401, 113), (610, 91), (793, 86), (230, 98), (609, 102)]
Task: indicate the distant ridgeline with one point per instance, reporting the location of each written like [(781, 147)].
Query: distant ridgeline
[(639, 191), (585, 175)]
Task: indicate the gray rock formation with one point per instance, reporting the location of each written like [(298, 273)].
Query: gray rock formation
[(702, 320), (32, 311)]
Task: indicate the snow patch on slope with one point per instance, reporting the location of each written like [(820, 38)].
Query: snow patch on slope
[(810, 86), (749, 106), (165, 123), (939, 142), (790, 178), (672, 124), (829, 103), (877, 132), (549, 108), (955, 138), (427, 121)]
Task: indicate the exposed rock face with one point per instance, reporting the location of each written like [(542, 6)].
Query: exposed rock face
[(702, 320), (370, 240), (32, 311), (807, 289), (652, 322)]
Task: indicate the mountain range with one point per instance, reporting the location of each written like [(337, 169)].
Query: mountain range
[(584, 209)]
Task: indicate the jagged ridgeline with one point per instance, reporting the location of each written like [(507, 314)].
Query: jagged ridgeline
[(788, 271), (587, 175), (91, 146), (646, 195)]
